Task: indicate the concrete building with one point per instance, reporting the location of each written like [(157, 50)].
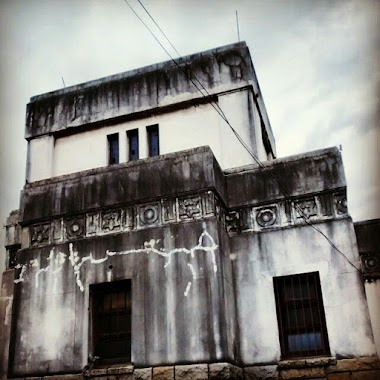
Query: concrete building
[(368, 238), (140, 253)]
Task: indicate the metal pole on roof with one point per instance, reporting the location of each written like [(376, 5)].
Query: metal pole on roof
[(237, 25)]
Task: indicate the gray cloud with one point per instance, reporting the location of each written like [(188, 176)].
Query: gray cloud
[(317, 63)]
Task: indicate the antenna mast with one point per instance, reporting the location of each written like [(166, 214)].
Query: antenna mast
[(237, 25)]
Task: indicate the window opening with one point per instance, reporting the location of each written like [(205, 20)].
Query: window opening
[(113, 149), (133, 145), (153, 140), (300, 315), (111, 321), (11, 259)]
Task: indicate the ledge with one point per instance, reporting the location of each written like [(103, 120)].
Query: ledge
[(109, 370), (309, 362)]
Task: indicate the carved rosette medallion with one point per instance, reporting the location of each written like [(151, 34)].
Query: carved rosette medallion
[(190, 207), (306, 208), (340, 201), (371, 264), (149, 215), (111, 221), (267, 216), (39, 234), (75, 228)]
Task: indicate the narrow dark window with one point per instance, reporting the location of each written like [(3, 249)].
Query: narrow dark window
[(12, 257), (133, 145), (153, 140), (300, 315), (113, 148), (111, 321)]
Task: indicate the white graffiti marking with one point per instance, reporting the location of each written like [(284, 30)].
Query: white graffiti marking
[(56, 261), (188, 287), (21, 275)]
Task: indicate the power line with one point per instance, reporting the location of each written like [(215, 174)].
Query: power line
[(220, 112), (181, 58), (224, 117)]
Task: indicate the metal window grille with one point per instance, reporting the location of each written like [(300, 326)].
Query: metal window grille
[(133, 145), (113, 148), (111, 321), (153, 140), (300, 316)]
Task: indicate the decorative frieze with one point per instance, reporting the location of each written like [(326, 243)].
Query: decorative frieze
[(246, 219), (326, 204), (340, 203), (306, 208), (111, 221), (56, 231), (210, 203), (188, 208), (75, 227), (287, 213), (169, 210), (266, 216), (40, 234), (147, 215), (233, 221), (92, 224), (219, 211), (129, 219)]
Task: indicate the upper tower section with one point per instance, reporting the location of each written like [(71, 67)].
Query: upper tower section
[(157, 109)]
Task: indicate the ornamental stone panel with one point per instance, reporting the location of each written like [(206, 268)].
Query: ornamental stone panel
[(149, 215), (190, 208), (39, 234), (75, 227)]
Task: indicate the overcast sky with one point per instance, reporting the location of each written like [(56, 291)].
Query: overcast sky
[(317, 63)]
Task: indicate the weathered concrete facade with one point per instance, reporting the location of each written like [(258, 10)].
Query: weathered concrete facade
[(66, 129), (200, 244), (368, 238)]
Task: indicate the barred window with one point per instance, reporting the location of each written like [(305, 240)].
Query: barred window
[(300, 315), (111, 321)]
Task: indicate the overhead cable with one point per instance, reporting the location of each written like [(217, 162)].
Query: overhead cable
[(219, 110)]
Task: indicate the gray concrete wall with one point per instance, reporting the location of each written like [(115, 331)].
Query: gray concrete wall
[(201, 253), (148, 88), (295, 176), (368, 240), (181, 313), (6, 301), (67, 126), (282, 252), (162, 176)]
